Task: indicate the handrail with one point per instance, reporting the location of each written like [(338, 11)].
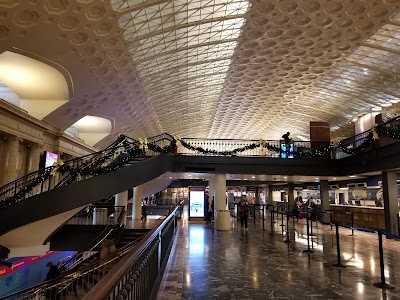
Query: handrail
[(109, 229), (105, 233), (86, 166), (101, 291)]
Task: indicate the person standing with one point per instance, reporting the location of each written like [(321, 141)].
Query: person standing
[(144, 211), (54, 272), (244, 212)]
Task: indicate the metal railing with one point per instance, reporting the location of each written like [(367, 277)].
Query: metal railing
[(86, 166), (226, 145), (73, 279), (70, 171), (86, 215), (138, 274)]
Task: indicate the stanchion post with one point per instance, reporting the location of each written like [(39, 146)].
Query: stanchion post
[(339, 263), (308, 250), (254, 214), (272, 221), (263, 218), (287, 240), (382, 284), (311, 234), (352, 224)]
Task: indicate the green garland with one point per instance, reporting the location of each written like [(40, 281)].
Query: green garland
[(131, 150)]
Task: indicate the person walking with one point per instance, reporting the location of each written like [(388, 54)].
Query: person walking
[(244, 212)]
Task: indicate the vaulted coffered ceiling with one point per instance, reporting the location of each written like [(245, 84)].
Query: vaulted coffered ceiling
[(217, 69)]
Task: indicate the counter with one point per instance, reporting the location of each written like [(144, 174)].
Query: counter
[(363, 216)]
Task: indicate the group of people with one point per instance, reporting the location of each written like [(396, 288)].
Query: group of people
[(301, 207)]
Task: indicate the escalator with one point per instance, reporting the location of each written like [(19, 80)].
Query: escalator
[(57, 193)]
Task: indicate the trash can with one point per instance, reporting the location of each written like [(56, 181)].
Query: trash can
[(100, 216), (223, 220)]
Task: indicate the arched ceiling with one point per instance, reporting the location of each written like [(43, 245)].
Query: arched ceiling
[(217, 69)]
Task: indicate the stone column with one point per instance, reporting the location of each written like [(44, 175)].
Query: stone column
[(137, 202), (222, 214), (325, 205), (10, 165), (211, 190), (121, 199), (34, 157), (389, 182)]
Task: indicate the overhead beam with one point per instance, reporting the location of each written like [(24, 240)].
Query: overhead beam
[(186, 25)]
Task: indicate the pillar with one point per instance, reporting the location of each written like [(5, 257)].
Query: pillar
[(257, 198), (211, 190), (121, 199), (34, 157), (10, 171), (33, 163), (270, 200), (223, 221), (290, 196), (137, 202), (391, 206), (325, 205)]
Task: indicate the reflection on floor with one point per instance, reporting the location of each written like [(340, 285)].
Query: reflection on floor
[(209, 264)]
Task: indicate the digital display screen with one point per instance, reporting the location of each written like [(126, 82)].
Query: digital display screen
[(283, 153), (51, 158), (196, 204)]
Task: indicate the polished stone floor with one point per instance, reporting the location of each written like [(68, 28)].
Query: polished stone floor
[(209, 264)]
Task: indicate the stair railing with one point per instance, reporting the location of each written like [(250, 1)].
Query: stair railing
[(71, 276), (70, 171), (139, 271)]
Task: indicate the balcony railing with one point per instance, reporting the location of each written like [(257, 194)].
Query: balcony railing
[(126, 151)]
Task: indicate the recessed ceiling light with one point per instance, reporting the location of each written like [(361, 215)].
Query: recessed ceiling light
[(253, 176), (190, 175), (170, 178), (334, 178), (352, 176), (245, 179), (301, 179), (285, 177)]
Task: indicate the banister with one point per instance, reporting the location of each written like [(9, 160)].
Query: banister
[(103, 288)]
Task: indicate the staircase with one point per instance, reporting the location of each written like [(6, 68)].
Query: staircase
[(131, 236)]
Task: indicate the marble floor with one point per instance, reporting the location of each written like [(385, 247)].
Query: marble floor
[(209, 264)]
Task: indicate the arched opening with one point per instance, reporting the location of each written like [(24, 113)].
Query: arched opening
[(91, 129), (31, 85)]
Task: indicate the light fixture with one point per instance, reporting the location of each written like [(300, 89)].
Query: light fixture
[(352, 176), (170, 178), (333, 178), (301, 180), (253, 176), (190, 175), (245, 179), (285, 177)]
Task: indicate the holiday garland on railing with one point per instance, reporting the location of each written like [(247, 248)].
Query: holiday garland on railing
[(131, 150)]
